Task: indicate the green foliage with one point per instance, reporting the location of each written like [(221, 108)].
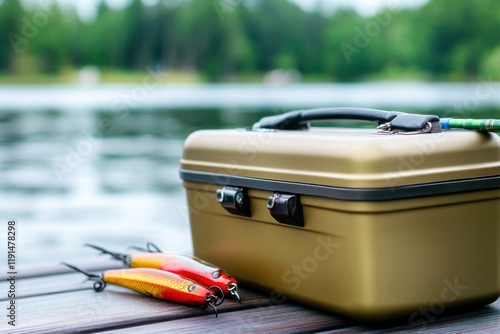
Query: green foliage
[(444, 39), (491, 65), (11, 14)]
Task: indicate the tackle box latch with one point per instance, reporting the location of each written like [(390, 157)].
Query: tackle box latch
[(286, 209), (235, 200)]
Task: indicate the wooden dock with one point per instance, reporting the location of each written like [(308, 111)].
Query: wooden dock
[(51, 299)]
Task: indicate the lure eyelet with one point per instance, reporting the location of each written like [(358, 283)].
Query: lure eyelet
[(216, 295), (232, 288), (212, 300), (99, 285)]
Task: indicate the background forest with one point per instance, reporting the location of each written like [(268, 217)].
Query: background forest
[(238, 40)]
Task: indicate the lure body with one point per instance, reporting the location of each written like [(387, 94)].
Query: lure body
[(186, 266), (159, 284)]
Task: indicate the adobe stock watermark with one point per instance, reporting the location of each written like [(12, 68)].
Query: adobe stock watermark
[(297, 273), (437, 306), (260, 310), (251, 147), (86, 309), (91, 139), (31, 25), (363, 36), (223, 7), (428, 143), (293, 277), (483, 91), (247, 151), (204, 197)]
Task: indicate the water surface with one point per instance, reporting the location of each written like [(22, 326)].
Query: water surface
[(76, 168)]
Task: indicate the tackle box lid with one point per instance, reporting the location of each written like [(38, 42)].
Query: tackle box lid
[(344, 163)]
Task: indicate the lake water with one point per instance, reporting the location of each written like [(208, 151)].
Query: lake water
[(100, 164)]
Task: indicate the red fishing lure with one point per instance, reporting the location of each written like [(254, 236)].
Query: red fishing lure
[(190, 267), (157, 284)]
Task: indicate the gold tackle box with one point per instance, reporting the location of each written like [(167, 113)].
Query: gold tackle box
[(372, 224)]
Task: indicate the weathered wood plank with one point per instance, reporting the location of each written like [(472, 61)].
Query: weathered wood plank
[(61, 303), (85, 310), (47, 279), (285, 318), (31, 287), (80, 311), (55, 268), (296, 319), (481, 320)]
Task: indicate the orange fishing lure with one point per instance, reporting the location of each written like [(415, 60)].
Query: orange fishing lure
[(157, 284), (190, 267)]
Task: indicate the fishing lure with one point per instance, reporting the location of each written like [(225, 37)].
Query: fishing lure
[(157, 284), (190, 267)]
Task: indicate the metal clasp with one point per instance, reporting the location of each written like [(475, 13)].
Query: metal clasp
[(430, 127), (286, 209), (235, 200)]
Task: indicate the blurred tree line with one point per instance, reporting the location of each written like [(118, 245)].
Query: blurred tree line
[(444, 39)]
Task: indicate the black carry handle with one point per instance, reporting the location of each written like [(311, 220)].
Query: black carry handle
[(298, 119)]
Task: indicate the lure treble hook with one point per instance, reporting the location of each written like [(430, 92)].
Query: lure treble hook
[(213, 300), (150, 248), (119, 256), (217, 302), (153, 248), (232, 287), (98, 285)]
